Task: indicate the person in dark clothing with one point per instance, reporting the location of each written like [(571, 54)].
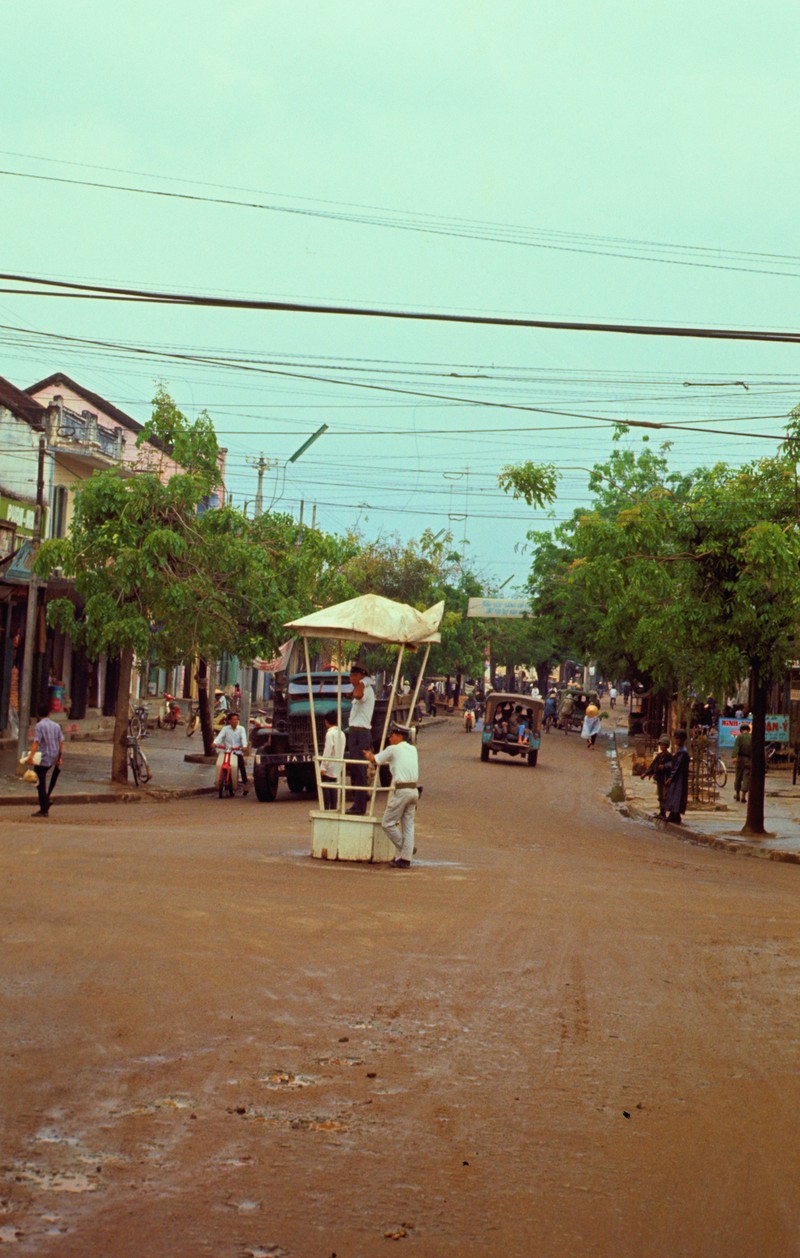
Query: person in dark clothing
[(659, 770), (742, 754), (676, 794)]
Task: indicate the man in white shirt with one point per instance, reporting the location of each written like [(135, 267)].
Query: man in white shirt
[(330, 770), (398, 819), (233, 736), (359, 733)]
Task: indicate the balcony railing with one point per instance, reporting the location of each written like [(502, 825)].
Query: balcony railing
[(83, 434)]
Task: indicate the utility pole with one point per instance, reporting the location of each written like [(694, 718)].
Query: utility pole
[(30, 617), (261, 464)]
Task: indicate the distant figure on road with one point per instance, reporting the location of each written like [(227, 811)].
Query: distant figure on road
[(612, 696), (48, 740), (398, 819), (677, 793), (742, 754), (591, 725), (626, 692)]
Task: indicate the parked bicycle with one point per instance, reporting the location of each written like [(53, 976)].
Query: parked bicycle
[(137, 720), (193, 719), (137, 760)]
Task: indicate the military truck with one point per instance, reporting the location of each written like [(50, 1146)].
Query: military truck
[(286, 748)]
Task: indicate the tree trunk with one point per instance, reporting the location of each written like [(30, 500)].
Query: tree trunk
[(543, 676), (119, 754), (511, 685), (459, 676), (754, 822), (206, 726)]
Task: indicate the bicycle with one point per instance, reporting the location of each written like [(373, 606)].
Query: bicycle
[(137, 721), (720, 773), (225, 781), (137, 761), (193, 719)]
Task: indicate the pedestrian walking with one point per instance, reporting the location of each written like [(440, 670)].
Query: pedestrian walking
[(398, 819), (359, 733), (677, 786), (742, 754), (659, 770), (591, 725), (331, 769), (612, 696), (48, 741)]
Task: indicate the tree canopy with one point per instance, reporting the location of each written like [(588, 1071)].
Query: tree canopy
[(679, 579)]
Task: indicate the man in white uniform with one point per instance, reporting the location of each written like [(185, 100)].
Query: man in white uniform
[(398, 819), (359, 733), (330, 769)]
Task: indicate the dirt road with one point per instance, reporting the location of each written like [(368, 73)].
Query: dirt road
[(561, 1034)]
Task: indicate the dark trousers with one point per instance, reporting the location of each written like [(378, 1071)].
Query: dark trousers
[(358, 741), (41, 785), (242, 769), (330, 798)]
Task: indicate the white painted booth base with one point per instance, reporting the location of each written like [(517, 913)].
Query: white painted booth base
[(339, 838)]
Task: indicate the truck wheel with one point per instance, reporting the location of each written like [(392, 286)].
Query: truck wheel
[(533, 756), (265, 781), (310, 781), (484, 751), (296, 778)]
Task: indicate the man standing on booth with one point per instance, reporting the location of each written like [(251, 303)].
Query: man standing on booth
[(359, 734), (398, 820)]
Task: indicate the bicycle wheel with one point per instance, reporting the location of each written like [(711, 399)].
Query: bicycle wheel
[(145, 772), (191, 724), (134, 763), (135, 726), (720, 774)]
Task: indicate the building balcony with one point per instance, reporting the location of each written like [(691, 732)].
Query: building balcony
[(82, 439)]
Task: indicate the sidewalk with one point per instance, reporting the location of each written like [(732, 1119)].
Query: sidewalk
[(86, 773), (720, 826)]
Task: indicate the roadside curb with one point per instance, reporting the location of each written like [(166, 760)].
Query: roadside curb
[(738, 847), (122, 796)]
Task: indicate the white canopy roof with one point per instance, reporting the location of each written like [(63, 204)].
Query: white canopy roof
[(371, 618)]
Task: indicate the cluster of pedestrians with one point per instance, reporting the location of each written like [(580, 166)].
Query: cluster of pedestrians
[(669, 769)]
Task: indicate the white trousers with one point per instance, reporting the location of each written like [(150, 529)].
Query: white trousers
[(398, 821)]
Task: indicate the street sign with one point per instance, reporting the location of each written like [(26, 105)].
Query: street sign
[(498, 608), (776, 730)]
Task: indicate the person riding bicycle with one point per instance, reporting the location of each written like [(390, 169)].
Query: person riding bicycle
[(233, 737)]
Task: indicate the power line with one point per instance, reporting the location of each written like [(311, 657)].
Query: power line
[(539, 238), (108, 292)]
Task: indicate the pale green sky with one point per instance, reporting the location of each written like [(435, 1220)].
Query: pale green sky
[(669, 123)]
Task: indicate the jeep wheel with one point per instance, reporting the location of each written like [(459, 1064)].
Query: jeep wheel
[(265, 781), (533, 756), (484, 751)]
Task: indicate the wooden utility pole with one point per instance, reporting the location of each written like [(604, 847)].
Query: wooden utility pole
[(30, 616)]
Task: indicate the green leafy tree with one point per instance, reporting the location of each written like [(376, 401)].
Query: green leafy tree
[(686, 578), (161, 577)]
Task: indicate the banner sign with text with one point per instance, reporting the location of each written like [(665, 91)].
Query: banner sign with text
[(777, 730), (498, 608)]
